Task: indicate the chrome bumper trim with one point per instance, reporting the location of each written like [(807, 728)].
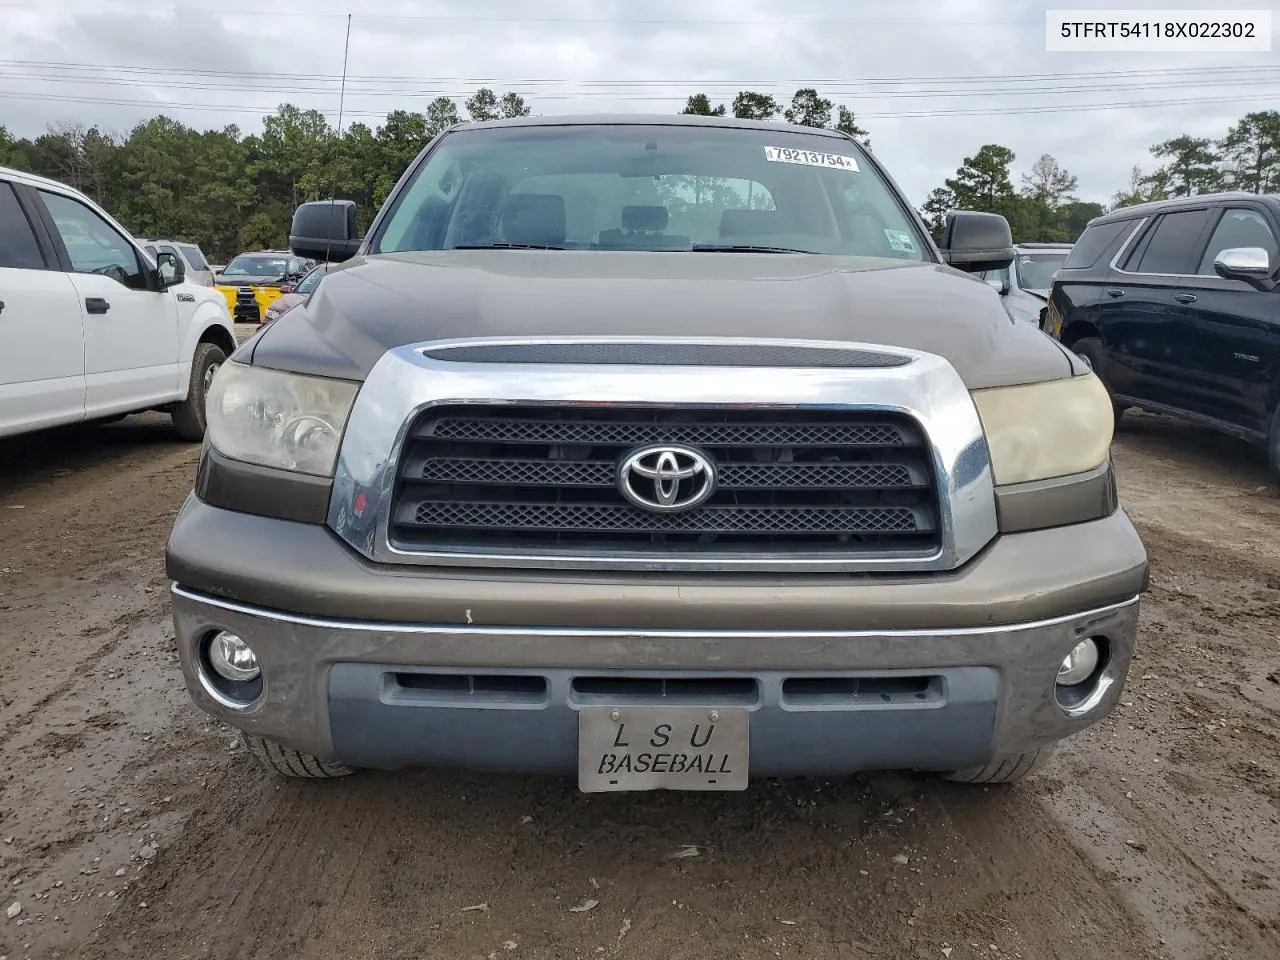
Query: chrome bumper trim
[(622, 634)]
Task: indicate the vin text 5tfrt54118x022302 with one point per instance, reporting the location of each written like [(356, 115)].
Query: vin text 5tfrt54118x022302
[(670, 453)]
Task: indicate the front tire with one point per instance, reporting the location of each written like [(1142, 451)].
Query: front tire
[(1011, 769), (1091, 349), (189, 417), (290, 763), (1273, 446)]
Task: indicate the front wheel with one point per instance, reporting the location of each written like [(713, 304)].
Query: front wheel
[(290, 763), (1091, 349), (1273, 446), (189, 417), (1020, 766)]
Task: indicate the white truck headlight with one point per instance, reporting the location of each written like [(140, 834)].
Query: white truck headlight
[(276, 419), (1038, 431)]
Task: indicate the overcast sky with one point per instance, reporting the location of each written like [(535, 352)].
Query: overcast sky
[(204, 63)]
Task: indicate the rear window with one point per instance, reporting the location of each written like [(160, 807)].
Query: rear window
[(1036, 270), (1169, 247), (1095, 241)]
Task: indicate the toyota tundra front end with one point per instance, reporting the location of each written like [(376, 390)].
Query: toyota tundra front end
[(666, 454)]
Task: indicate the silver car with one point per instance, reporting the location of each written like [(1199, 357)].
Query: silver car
[(1024, 284), (196, 267)]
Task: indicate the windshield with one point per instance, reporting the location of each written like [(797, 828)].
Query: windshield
[(309, 282), (634, 187), (256, 266), (1036, 270)]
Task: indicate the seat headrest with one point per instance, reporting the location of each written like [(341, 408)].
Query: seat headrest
[(741, 223), (644, 218), (536, 218)]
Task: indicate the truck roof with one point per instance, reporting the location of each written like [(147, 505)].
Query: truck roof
[(651, 119)]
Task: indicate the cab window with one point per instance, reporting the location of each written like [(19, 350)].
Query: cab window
[(1239, 227), (18, 247), (93, 245), (1168, 248)]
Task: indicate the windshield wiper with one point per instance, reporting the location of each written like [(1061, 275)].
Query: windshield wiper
[(504, 245), (741, 248)]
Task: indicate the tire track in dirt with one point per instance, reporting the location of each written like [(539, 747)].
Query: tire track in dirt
[(118, 629), (384, 865), (1201, 865)]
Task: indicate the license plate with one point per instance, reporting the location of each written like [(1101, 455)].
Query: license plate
[(662, 748)]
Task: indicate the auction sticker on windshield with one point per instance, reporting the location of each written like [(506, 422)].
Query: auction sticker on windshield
[(810, 158), (662, 748)]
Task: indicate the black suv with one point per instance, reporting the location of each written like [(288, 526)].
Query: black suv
[(1175, 305)]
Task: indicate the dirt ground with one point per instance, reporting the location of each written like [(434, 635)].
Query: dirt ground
[(132, 825)]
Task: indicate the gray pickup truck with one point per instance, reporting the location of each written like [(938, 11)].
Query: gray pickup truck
[(663, 452)]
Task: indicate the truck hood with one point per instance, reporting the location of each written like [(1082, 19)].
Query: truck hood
[(373, 304)]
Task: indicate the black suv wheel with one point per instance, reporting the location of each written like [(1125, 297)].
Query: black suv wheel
[(1092, 350)]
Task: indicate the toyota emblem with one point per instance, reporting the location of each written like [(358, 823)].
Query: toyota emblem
[(667, 479)]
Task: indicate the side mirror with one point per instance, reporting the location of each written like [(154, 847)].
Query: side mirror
[(974, 241), (325, 230), (999, 285), (1250, 264), (170, 269)]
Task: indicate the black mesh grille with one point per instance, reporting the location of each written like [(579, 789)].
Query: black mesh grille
[(545, 478), (602, 474), (631, 433), (620, 519)]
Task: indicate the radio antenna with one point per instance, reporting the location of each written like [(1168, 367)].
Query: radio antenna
[(342, 100), (342, 90)]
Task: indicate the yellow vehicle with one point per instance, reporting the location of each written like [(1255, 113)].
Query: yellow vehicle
[(253, 281), (1051, 321)]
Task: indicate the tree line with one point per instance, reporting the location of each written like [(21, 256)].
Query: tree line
[(1044, 208), (231, 192)]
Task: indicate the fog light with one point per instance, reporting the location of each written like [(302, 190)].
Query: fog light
[(233, 659), (1079, 663)]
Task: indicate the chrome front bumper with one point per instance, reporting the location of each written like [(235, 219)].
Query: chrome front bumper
[(378, 694)]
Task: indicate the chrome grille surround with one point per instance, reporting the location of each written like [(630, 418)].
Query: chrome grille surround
[(411, 380)]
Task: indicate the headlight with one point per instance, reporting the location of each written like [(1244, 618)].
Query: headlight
[(278, 310), (278, 419), (1042, 430)]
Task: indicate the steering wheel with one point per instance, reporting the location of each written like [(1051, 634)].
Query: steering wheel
[(115, 272)]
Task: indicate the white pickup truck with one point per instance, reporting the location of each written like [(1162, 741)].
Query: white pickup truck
[(91, 327)]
